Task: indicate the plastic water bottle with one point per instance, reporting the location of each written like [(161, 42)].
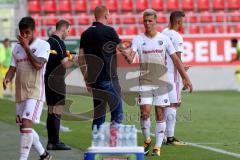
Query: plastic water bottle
[(113, 135), (126, 136), (101, 137), (133, 136), (120, 135), (95, 136)]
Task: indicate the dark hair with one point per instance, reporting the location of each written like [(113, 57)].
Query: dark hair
[(26, 22), (6, 40), (175, 15), (234, 40), (62, 23)]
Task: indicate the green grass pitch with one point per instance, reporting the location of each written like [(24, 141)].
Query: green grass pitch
[(206, 118)]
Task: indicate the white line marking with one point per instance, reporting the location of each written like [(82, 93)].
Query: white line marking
[(198, 145), (206, 148)]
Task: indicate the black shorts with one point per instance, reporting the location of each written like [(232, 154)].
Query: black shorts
[(55, 90)]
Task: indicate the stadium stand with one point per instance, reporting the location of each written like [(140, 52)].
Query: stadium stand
[(222, 15)]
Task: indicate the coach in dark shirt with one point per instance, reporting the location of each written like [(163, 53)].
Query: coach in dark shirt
[(55, 84), (98, 51)]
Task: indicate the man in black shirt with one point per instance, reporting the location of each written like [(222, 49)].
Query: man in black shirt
[(98, 53), (55, 84)]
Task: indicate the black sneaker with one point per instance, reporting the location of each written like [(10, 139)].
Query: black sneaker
[(45, 156), (174, 141), (58, 146)]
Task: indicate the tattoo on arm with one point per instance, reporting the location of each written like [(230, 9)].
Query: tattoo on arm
[(37, 62)]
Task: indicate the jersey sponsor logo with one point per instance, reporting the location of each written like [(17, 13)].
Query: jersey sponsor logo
[(22, 60), (152, 51)]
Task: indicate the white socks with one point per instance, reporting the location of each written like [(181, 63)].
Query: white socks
[(170, 114), (37, 144), (159, 132), (26, 141), (145, 126)]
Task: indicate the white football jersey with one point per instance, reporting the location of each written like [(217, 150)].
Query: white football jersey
[(152, 54), (29, 81), (177, 42)]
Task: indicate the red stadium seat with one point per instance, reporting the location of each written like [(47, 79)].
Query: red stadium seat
[(114, 18), (127, 5), (112, 5), (50, 6), (34, 6), (119, 30), (157, 4), (72, 32), (203, 4), (141, 5), (191, 17), (140, 18), (83, 18), (161, 18), (51, 19), (80, 5), (65, 6), (68, 16), (188, 4), (36, 32), (160, 28), (208, 29), (233, 4), (81, 29), (193, 29), (131, 30), (206, 16), (129, 18), (38, 18), (235, 16), (218, 4), (43, 32), (221, 16), (94, 4), (236, 29), (172, 5), (224, 29)]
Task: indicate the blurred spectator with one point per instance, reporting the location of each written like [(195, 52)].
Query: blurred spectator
[(2, 59), (6, 64), (236, 44)]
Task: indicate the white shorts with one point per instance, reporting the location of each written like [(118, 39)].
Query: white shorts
[(153, 95), (175, 93), (30, 109)]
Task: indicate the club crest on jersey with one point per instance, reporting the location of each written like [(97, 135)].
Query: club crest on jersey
[(160, 43), (33, 50), (144, 44), (165, 100), (27, 114)]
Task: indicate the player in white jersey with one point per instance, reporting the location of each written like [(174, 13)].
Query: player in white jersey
[(175, 26), (28, 63), (152, 48)]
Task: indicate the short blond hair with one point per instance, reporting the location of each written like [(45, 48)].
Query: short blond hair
[(100, 12), (150, 12)]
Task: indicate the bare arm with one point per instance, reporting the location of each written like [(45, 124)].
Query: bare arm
[(9, 76), (82, 63), (186, 81), (127, 52), (37, 62), (66, 62)]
